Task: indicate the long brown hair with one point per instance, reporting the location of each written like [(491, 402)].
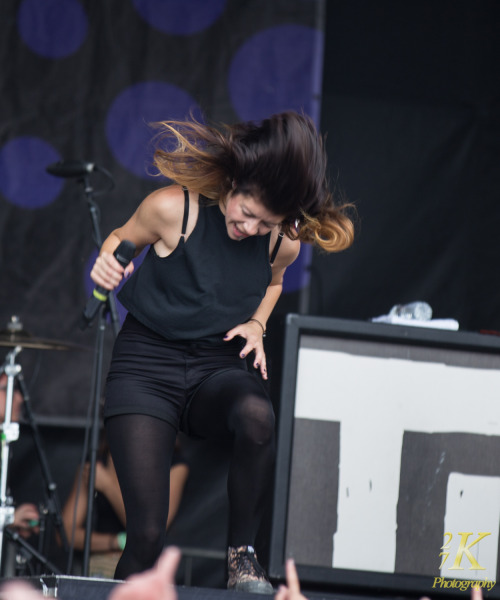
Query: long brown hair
[(280, 161)]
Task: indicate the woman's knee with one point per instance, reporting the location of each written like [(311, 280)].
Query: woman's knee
[(253, 419), (146, 543)]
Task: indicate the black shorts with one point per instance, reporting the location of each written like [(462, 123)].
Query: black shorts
[(153, 376)]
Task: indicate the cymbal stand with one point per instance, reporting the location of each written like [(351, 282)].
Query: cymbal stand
[(10, 433), (31, 552), (53, 505)]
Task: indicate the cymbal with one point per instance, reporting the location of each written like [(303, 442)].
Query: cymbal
[(15, 335), (25, 340)]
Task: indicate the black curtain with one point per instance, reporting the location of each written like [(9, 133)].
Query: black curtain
[(411, 103), (83, 80)]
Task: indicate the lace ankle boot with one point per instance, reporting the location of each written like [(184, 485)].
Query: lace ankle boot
[(245, 573)]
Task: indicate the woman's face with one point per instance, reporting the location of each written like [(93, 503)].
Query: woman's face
[(246, 216)]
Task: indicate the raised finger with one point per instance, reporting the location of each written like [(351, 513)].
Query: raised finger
[(281, 594), (292, 578), (168, 564), (476, 593)]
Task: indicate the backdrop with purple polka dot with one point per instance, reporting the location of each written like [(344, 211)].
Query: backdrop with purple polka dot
[(85, 81)]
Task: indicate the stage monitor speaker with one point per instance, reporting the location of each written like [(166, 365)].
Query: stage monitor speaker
[(388, 470), (68, 587), (65, 587)]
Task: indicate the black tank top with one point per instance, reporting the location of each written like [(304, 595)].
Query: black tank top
[(207, 285)]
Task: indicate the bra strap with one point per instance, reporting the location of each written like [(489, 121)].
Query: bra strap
[(186, 211), (276, 247)]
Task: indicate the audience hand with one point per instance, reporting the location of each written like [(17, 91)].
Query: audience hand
[(476, 593), (19, 590), (155, 584), (292, 590)]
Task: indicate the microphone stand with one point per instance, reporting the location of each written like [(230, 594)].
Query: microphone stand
[(108, 305), (81, 170), (94, 217), (94, 438)]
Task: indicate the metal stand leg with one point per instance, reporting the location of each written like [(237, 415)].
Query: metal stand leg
[(94, 443), (15, 537), (53, 506), (10, 433)]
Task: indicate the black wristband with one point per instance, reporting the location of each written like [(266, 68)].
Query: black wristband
[(263, 328)]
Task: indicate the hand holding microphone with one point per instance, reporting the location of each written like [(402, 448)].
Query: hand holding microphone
[(124, 253), (106, 274)]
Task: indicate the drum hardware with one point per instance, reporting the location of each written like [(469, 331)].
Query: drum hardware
[(26, 553), (16, 337)]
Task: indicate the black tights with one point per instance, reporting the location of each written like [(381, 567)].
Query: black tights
[(228, 405)]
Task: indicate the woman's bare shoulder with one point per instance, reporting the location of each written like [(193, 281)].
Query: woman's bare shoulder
[(166, 199), (290, 248), (165, 206), (287, 253), (162, 212)]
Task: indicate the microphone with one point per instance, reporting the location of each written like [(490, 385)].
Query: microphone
[(123, 254), (71, 168)]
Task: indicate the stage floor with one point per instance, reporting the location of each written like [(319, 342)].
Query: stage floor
[(67, 587)]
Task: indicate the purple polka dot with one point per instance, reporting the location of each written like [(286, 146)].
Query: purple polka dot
[(180, 17), (127, 125), (90, 285), (23, 179), (52, 28), (275, 70), (297, 275)]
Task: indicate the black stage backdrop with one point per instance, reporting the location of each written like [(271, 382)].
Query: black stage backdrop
[(410, 102), (82, 80)]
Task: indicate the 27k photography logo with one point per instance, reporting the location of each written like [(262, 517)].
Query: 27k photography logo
[(463, 556)]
